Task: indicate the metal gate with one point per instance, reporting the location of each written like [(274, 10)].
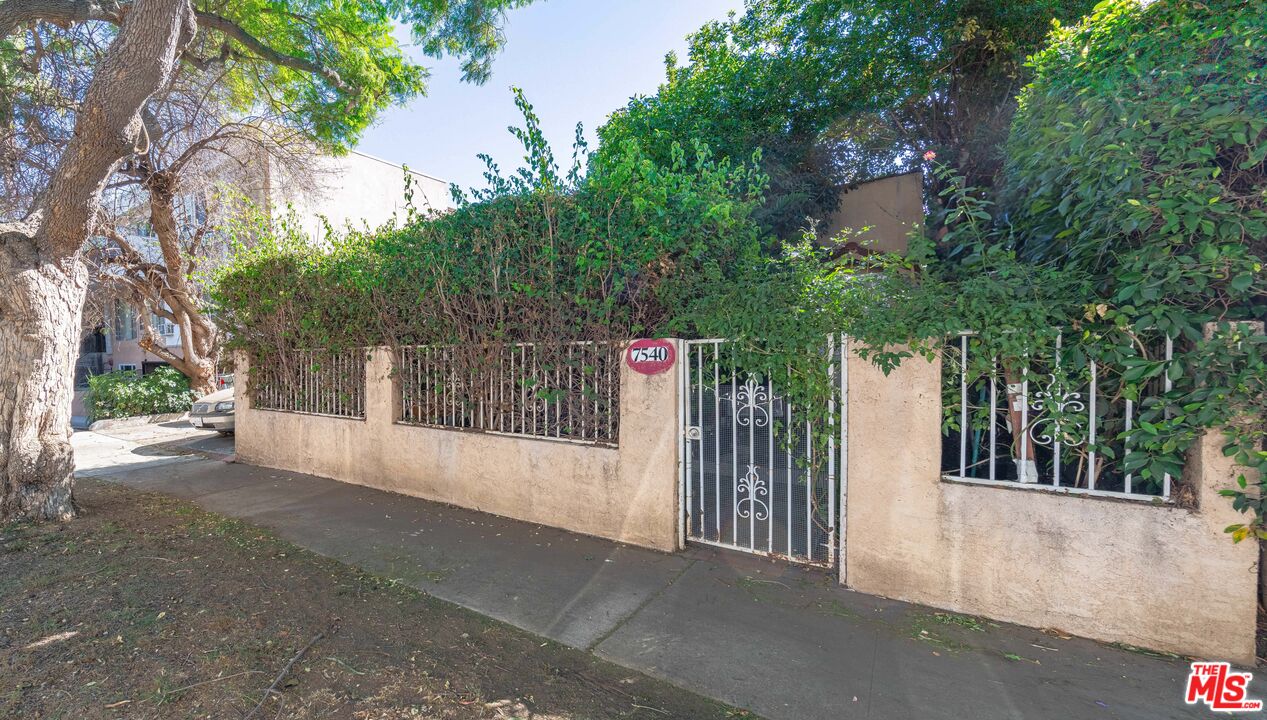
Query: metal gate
[(750, 478)]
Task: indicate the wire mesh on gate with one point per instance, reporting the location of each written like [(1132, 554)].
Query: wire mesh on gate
[(1050, 423), (752, 481), (315, 382), (568, 391)]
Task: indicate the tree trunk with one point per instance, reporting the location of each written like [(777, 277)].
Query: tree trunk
[(1026, 467), (40, 303), (175, 297), (43, 278)]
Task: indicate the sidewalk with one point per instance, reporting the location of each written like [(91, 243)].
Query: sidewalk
[(785, 642)]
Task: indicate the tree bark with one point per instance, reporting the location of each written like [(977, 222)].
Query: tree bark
[(167, 288), (42, 273), (197, 332), (40, 302)]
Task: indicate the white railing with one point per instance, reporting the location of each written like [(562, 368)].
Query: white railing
[(1057, 424), (566, 391), (313, 382)]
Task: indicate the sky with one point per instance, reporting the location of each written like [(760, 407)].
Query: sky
[(576, 60)]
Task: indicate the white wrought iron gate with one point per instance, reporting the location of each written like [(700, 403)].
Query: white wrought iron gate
[(750, 477)]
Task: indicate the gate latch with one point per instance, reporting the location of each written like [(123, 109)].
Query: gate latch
[(693, 432)]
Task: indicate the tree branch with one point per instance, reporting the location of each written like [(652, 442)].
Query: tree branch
[(17, 12), (138, 64), (62, 12), (235, 31)]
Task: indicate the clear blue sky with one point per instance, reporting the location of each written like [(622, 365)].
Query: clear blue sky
[(576, 60)]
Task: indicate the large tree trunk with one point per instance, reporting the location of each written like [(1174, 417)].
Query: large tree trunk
[(40, 302), (42, 275)]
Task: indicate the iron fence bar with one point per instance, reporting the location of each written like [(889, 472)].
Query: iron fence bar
[(685, 447), (717, 437), (963, 405), (770, 460), (1091, 456), (734, 451), (994, 418), (831, 445), (790, 436), (842, 515), (1167, 386), (1023, 467), (809, 489), (699, 372)]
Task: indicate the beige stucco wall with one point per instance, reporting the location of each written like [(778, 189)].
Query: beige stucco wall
[(627, 493), (1154, 576), (890, 208)]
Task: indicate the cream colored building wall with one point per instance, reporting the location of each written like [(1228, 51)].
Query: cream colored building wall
[(627, 493), (1155, 576), (890, 207), (358, 190)]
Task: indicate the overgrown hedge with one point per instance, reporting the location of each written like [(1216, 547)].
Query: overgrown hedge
[(1134, 207), (537, 257)]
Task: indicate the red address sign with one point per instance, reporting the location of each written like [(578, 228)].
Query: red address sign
[(650, 357)]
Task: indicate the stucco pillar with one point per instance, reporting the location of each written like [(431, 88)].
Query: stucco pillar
[(241, 380), (648, 466), (382, 402)]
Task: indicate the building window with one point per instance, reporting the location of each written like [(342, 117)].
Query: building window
[(162, 326), (124, 321)]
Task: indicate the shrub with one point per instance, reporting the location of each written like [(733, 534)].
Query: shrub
[(123, 394), (1138, 157), (1133, 206), (537, 257)]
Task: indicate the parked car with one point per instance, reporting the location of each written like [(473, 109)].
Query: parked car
[(214, 412)]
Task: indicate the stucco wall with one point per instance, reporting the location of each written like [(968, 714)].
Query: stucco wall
[(1155, 576), (627, 493), (890, 208)]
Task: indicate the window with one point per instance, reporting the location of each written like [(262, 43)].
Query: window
[(127, 366), (162, 326), (124, 324)]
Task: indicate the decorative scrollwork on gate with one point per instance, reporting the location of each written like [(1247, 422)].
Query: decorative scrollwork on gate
[(748, 404), (1052, 406), (752, 487)]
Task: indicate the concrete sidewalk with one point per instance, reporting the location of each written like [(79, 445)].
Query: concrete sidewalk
[(785, 642)]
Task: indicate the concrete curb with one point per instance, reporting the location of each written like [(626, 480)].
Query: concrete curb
[(116, 423)]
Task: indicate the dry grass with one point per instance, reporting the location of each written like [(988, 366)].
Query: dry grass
[(146, 607)]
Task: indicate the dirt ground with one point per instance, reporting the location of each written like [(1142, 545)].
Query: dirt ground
[(147, 607)]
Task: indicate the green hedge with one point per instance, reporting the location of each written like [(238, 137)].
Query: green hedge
[(537, 257), (123, 394)]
